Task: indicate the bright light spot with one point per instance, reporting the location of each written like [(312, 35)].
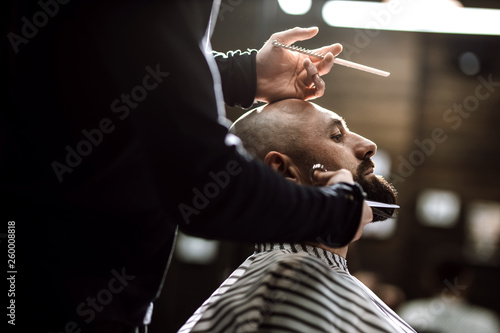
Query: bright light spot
[(469, 63), (438, 208), (380, 230), (295, 7), (194, 250), (432, 3), (483, 231), (409, 15), (382, 162)]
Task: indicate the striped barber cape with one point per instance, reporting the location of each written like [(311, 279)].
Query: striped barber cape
[(293, 288)]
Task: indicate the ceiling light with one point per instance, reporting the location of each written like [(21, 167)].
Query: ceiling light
[(295, 7), (407, 15)]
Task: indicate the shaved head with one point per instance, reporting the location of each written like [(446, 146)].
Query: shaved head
[(276, 127)]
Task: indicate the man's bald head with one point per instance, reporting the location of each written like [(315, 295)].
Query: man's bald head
[(278, 126)]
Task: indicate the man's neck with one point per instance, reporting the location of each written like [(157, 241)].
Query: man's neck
[(341, 251)]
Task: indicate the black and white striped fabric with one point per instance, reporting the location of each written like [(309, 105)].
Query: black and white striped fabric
[(293, 288)]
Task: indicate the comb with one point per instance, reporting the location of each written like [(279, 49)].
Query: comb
[(336, 60)]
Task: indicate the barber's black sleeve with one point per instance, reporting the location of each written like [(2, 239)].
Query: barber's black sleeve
[(238, 76)]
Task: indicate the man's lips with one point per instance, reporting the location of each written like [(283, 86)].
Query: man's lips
[(368, 172), (366, 168)]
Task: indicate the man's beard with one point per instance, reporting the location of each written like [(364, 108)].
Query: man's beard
[(377, 188)]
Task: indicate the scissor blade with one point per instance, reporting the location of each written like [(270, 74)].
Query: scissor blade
[(380, 204)]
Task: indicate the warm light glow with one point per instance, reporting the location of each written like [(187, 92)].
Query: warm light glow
[(194, 250), (438, 208), (407, 15), (483, 231), (295, 7)]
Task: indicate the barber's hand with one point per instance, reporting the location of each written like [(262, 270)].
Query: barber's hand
[(367, 215), (284, 74), (327, 178)]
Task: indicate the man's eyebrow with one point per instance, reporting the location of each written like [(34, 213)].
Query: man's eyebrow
[(337, 122)]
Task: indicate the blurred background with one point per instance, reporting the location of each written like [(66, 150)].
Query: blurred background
[(436, 121)]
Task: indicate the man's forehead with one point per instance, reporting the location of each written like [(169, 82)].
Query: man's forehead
[(329, 117), (297, 111)]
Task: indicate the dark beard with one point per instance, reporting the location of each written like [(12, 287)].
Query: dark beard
[(377, 188)]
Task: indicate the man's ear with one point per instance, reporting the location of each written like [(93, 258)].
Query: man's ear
[(283, 165)]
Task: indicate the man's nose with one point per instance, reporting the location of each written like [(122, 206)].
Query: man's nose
[(364, 148)]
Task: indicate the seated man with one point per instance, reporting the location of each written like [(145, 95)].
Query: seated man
[(302, 287)]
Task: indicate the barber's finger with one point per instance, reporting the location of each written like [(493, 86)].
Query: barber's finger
[(312, 93), (325, 65), (313, 76), (341, 175), (319, 178), (315, 86), (293, 35), (324, 178), (367, 214), (334, 49)]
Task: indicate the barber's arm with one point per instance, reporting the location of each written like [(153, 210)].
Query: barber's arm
[(259, 205), (238, 77), (173, 147), (273, 73)]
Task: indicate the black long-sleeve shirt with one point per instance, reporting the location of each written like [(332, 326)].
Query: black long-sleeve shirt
[(110, 139)]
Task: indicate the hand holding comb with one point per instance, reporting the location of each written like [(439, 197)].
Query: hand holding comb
[(336, 60)]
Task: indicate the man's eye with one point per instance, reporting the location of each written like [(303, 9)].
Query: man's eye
[(337, 137)]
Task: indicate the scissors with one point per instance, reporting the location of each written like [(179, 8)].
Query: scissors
[(371, 203)]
